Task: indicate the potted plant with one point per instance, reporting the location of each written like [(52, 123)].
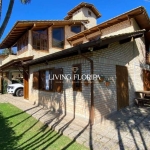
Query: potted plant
[(86, 82), (107, 82), (101, 78)]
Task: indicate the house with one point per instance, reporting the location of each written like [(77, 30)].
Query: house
[(74, 66)]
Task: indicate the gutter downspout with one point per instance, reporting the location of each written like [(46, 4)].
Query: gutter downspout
[(91, 118)]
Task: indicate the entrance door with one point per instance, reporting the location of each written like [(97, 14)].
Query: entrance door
[(146, 80), (26, 84), (122, 87)]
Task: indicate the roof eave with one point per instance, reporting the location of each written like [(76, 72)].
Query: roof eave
[(84, 47), (31, 24), (113, 21)]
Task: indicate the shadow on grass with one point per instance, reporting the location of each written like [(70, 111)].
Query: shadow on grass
[(7, 135), (21, 131), (22, 112)]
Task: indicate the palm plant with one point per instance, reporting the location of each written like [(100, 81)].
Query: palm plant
[(8, 14)]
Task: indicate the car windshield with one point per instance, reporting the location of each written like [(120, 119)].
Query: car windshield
[(17, 81)]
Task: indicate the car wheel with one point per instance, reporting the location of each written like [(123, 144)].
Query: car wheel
[(19, 92), (14, 94)]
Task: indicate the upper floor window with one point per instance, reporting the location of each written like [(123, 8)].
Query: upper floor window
[(89, 13), (58, 37), (22, 44), (40, 39), (76, 28)]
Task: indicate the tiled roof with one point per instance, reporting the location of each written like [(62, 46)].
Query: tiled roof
[(83, 4), (21, 27), (139, 14)]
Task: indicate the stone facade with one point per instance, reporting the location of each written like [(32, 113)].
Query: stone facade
[(119, 28), (130, 54)]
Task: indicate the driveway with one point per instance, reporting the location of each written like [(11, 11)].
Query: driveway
[(126, 129)]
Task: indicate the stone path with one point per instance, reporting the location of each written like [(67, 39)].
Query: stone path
[(126, 129)]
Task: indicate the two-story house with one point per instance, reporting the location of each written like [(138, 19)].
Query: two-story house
[(113, 51)]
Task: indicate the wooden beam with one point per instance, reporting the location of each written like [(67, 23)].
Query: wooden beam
[(119, 19), (132, 16), (128, 17), (69, 42), (34, 25), (99, 30), (85, 36), (50, 25)]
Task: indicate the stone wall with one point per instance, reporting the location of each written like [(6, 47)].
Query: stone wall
[(130, 54)]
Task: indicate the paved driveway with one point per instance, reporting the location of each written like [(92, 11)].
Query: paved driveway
[(126, 129)]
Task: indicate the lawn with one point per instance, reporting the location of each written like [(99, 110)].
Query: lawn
[(20, 131)]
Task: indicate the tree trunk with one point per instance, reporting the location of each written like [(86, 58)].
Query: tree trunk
[(6, 19), (0, 8)]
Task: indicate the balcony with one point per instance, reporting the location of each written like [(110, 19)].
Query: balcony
[(8, 59)]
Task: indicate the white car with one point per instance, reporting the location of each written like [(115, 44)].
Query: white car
[(16, 89)]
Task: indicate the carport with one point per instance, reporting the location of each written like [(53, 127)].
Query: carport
[(12, 66)]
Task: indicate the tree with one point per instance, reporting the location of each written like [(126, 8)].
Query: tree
[(8, 14)]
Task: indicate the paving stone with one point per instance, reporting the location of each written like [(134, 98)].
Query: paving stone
[(81, 140), (67, 132), (86, 144), (104, 140), (129, 130), (99, 136), (105, 148), (96, 147)]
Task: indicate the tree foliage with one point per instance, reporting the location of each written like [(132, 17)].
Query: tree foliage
[(8, 14)]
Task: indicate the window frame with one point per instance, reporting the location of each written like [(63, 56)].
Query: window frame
[(44, 70), (75, 26), (89, 13), (42, 84), (23, 39), (63, 37), (47, 47)]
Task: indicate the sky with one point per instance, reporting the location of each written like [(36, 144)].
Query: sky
[(57, 10)]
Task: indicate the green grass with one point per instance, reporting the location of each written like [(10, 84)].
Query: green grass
[(20, 131)]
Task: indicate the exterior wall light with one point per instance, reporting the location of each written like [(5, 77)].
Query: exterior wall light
[(107, 82)]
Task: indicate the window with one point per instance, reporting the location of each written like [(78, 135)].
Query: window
[(42, 82), (58, 37), (40, 39), (89, 13), (48, 80), (76, 29), (22, 44), (76, 72)]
